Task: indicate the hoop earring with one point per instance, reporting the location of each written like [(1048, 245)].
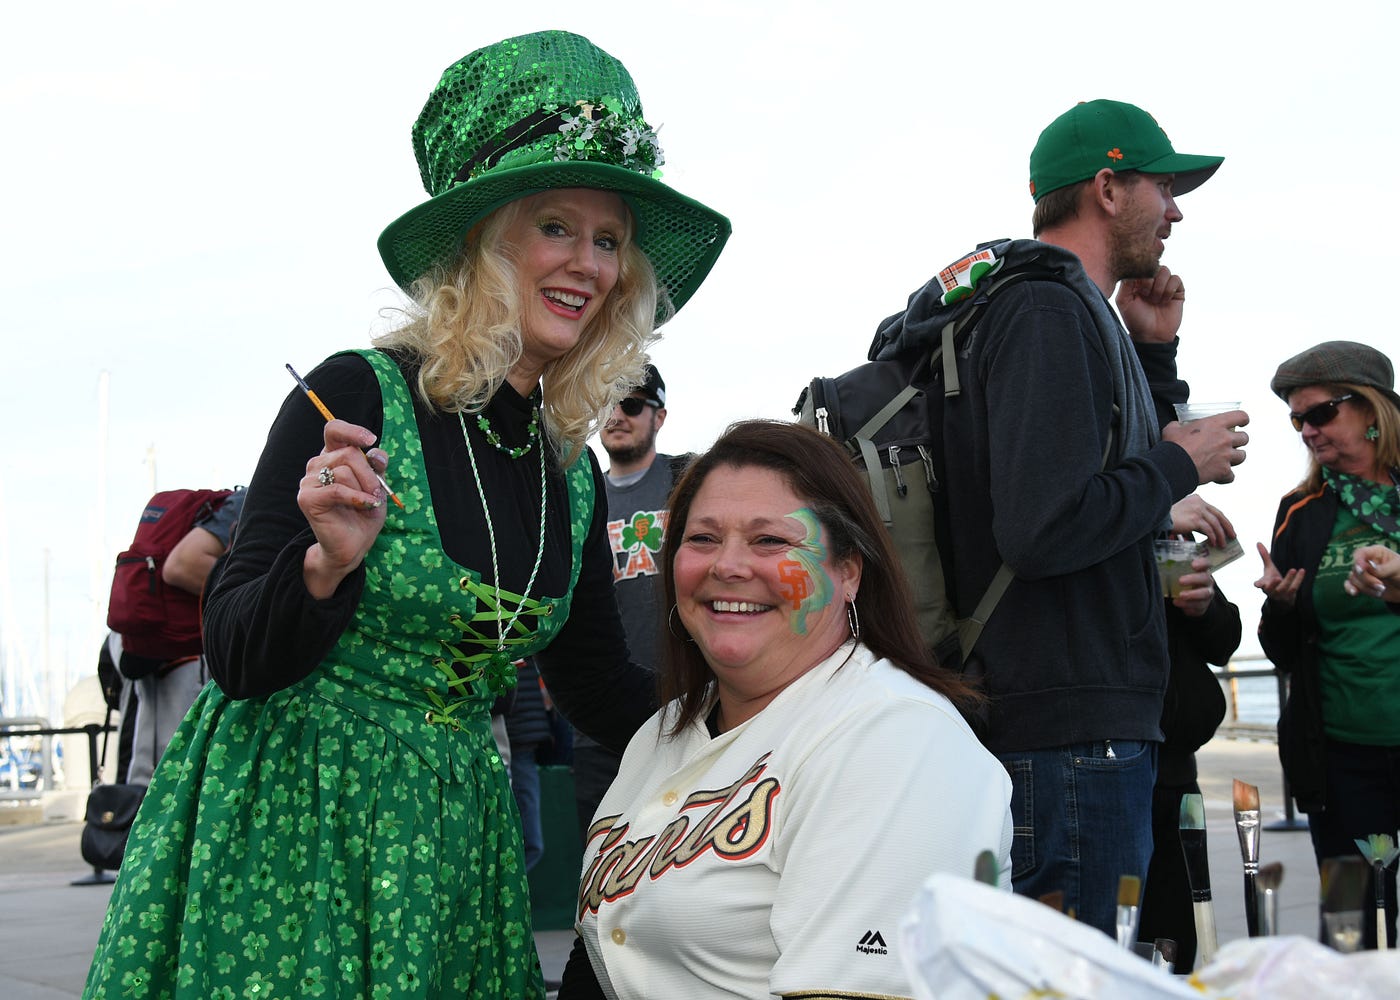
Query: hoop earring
[(853, 619), (671, 626)]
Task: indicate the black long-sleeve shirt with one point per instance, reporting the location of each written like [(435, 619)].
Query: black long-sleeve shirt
[(1194, 705), (265, 632)]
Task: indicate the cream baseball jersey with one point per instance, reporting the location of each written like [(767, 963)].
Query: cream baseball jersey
[(777, 859)]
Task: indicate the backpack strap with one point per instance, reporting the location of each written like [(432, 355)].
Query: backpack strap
[(970, 629), (871, 427), (865, 443), (964, 321), (876, 476), (106, 732)]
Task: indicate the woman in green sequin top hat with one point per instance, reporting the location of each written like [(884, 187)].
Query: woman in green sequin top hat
[(333, 818)]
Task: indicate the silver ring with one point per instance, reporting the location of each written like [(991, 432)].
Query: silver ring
[(326, 476)]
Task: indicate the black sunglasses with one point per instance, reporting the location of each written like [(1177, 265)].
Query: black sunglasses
[(632, 406), (1318, 416)]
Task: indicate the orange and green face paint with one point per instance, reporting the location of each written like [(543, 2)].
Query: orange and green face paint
[(803, 579)]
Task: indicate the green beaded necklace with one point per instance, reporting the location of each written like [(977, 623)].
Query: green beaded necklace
[(494, 439)]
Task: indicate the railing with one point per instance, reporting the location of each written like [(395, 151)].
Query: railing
[(1230, 677), (20, 778), (92, 729)]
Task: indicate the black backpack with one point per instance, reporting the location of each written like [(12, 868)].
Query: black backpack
[(889, 415)]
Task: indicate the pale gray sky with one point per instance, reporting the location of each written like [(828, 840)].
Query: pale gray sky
[(192, 195)]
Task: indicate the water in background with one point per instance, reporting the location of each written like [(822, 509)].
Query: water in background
[(1256, 700)]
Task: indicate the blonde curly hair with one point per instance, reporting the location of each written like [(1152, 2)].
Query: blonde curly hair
[(463, 329)]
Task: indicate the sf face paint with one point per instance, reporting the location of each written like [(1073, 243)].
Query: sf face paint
[(803, 573), (755, 585)]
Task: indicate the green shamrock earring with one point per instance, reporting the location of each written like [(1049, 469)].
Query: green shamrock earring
[(1372, 433)]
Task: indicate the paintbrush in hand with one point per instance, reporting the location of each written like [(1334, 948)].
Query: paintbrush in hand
[(325, 412), (1342, 885), (1193, 846), (1270, 878), (1247, 826), (1129, 894), (1379, 850)]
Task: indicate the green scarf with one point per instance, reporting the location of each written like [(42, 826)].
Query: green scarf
[(1376, 505)]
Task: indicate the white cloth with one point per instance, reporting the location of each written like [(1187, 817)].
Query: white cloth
[(778, 858)]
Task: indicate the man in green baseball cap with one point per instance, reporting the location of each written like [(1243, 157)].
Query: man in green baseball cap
[(1054, 466), (1105, 179)]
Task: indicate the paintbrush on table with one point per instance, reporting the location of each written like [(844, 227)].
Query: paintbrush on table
[(1379, 850), (1342, 886), (1270, 878), (1193, 846), (1247, 826), (1129, 895)]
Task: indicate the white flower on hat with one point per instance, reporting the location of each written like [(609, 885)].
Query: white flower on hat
[(626, 141)]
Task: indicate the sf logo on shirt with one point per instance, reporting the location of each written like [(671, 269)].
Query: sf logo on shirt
[(639, 540)]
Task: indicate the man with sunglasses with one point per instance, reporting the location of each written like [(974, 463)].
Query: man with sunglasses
[(638, 482)]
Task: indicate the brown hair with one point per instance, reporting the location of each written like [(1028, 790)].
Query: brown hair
[(1062, 204), (819, 471)]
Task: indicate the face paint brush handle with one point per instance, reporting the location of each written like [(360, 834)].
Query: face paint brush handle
[(1378, 874), (1206, 939)]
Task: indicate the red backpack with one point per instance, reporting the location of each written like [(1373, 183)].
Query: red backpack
[(153, 618)]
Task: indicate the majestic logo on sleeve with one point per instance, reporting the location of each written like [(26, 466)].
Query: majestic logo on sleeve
[(639, 540), (732, 823), (872, 943)]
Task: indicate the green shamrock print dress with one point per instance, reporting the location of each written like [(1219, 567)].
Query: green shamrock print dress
[(353, 835)]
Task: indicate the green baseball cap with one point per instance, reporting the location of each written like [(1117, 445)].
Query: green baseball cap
[(1097, 134)]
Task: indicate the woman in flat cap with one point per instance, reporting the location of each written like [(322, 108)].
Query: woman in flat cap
[(333, 818), (1339, 738)]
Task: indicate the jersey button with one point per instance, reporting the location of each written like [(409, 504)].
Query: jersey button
[(619, 936), (669, 799)]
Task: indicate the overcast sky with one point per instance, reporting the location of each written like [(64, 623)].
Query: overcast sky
[(192, 196)]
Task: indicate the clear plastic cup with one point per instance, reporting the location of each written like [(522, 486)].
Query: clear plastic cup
[(1174, 557), (1187, 412)]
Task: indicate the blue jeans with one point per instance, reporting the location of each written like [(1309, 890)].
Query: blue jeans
[(525, 783), (1082, 817)]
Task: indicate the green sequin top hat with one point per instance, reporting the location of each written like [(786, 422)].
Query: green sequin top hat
[(535, 112), (1097, 134)]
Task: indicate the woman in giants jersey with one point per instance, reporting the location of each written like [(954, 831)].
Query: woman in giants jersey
[(769, 826)]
